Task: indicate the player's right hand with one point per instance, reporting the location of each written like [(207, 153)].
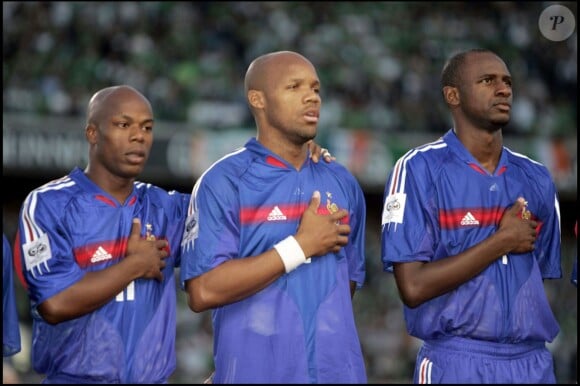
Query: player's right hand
[(147, 255), (520, 233), (319, 234)]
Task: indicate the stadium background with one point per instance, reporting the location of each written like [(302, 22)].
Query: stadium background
[(379, 63)]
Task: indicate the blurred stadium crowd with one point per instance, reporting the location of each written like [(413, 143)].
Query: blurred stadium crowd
[(379, 64)]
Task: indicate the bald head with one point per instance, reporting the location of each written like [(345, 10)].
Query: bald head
[(263, 70), (105, 99)]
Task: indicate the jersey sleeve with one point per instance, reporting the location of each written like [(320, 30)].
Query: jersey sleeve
[(356, 247), (10, 327), (548, 244), (45, 252), (177, 215), (408, 218), (212, 218)]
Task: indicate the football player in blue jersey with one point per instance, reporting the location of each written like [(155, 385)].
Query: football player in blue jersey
[(97, 250), (471, 229), (10, 327), (274, 243)]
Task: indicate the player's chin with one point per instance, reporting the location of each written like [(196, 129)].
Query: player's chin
[(133, 170), (309, 133), (501, 121), (501, 118)]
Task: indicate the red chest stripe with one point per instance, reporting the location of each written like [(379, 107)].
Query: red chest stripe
[(117, 249), (481, 217), (278, 213)]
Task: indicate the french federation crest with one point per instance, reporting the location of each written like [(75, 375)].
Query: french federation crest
[(394, 208), (37, 252), (331, 206), (191, 231)]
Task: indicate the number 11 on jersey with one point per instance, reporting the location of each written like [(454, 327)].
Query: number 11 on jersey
[(128, 294)]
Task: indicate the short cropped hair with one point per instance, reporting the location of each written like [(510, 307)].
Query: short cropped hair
[(451, 73)]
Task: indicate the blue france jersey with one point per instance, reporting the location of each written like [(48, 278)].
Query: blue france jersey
[(69, 227), (438, 202), (10, 327), (301, 328)]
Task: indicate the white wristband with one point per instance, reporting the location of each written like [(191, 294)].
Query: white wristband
[(291, 253)]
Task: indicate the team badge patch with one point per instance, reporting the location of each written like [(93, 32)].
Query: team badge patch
[(149, 232), (526, 214), (394, 208), (37, 252), (331, 206), (191, 231)]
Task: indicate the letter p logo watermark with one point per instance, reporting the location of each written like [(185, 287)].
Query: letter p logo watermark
[(557, 20), (557, 23)]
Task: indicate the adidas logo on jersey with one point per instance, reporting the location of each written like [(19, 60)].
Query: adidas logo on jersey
[(276, 214), (100, 255), (468, 219)]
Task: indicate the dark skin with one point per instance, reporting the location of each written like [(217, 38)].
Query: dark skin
[(283, 94), (480, 107), (119, 133)]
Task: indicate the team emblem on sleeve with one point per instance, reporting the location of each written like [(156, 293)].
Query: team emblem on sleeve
[(191, 231), (37, 252), (394, 208)]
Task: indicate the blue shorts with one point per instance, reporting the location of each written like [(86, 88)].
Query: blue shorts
[(460, 360)]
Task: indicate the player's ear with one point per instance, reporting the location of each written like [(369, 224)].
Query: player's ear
[(256, 99), (451, 95), (91, 133)]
